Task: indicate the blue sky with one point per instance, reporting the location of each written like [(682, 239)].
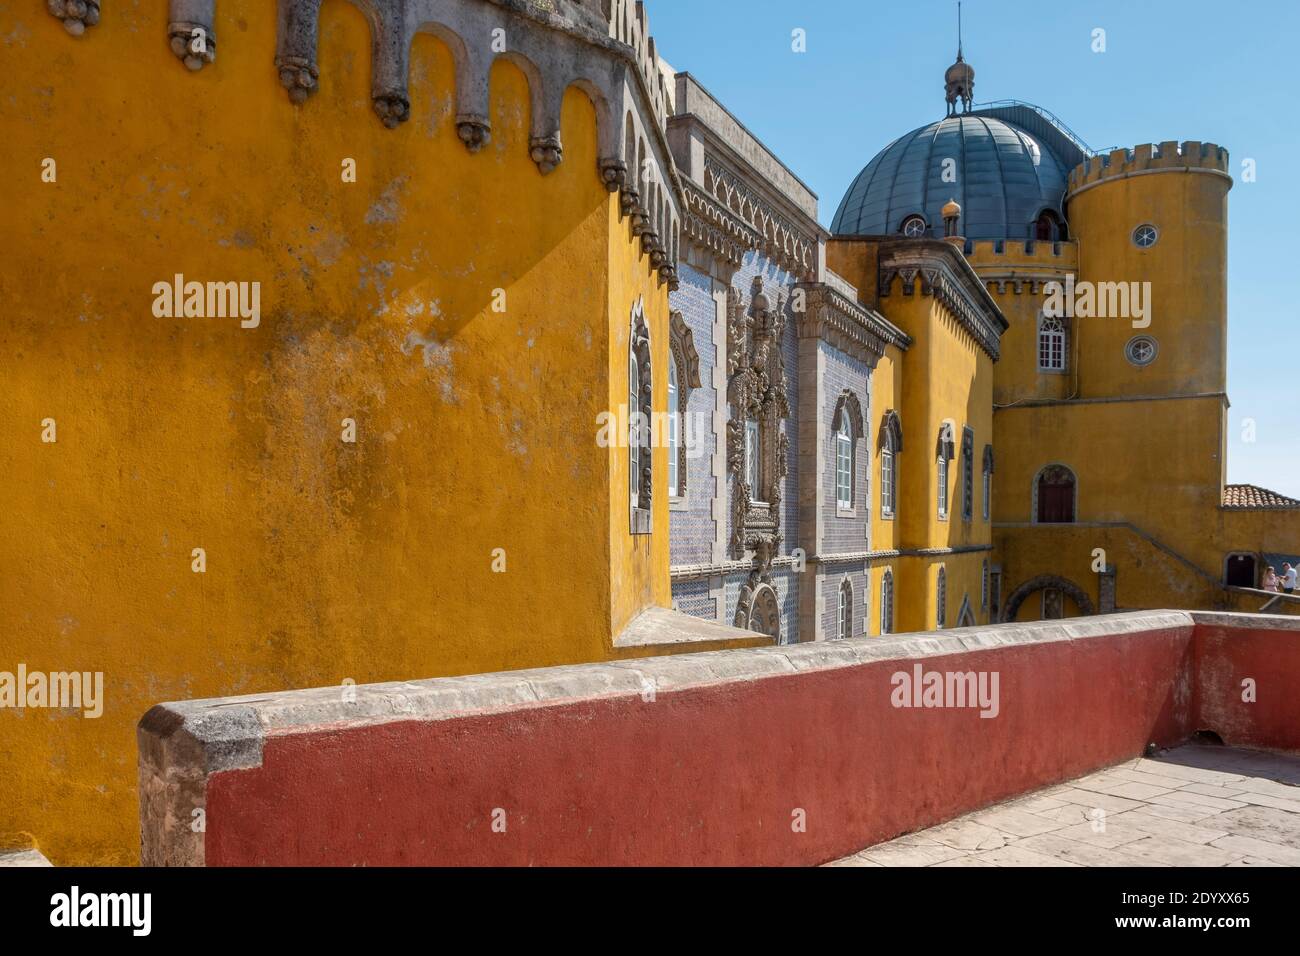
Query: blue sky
[(1191, 69)]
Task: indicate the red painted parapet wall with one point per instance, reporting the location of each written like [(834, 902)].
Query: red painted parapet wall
[(775, 755)]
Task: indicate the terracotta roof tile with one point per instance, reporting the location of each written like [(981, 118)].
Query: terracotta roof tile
[(1253, 496)]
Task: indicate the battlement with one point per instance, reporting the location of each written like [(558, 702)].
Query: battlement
[(556, 44), (1006, 252), (628, 24), (1170, 155)]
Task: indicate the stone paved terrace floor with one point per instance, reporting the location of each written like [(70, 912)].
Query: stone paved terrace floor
[(1196, 805)]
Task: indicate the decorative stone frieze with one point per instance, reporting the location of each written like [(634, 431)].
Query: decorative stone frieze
[(75, 14), (743, 212)]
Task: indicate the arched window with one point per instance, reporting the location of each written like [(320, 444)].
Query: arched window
[(888, 481), (891, 443), (1239, 570), (845, 628), (941, 598), (1055, 495), (1051, 344), (753, 459), (674, 432), (634, 430), (943, 486), (945, 454), (988, 480), (965, 616), (844, 464), (1049, 227), (967, 474), (847, 428), (887, 602)]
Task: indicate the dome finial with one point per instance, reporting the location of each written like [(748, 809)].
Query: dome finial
[(959, 80)]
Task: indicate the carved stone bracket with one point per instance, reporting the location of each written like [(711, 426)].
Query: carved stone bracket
[(558, 46), (75, 14), (190, 31), (546, 152), (474, 131)]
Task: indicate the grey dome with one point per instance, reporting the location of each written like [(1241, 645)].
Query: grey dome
[(1004, 179)]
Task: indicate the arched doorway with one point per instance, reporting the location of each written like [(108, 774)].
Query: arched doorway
[(1055, 495), (759, 610), (1239, 571), (1056, 589)]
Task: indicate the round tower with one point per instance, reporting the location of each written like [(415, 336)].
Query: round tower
[(1148, 307)]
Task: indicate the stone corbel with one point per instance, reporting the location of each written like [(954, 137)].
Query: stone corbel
[(190, 28), (546, 151), (295, 48), (544, 144), (75, 14), (474, 131), (613, 173), (391, 67)]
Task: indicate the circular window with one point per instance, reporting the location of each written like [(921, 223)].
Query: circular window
[(1141, 350), (1145, 236), (914, 226)]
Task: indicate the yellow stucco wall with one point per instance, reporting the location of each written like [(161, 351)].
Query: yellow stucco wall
[(1012, 273), (886, 395), (943, 376), (325, 561), (1187, 269)]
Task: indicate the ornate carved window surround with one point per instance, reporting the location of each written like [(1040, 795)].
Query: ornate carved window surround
[(686, 362), (640, 433)]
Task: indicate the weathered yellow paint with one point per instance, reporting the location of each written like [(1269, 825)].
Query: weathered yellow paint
[(1017, 376), (943, 376), (475, 429)]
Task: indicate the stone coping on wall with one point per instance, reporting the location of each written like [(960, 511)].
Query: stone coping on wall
[(230, 728), (544, 719), (661, 627)]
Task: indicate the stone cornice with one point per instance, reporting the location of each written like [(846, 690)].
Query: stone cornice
[(836, 319), (946, 275)]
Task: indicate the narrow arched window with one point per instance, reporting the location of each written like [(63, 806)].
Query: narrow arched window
[(988, 480), (753, 459), (891, 444), (845, 628), (967, 474), (634, 429), (674, 431), (941, 598), (1051, 344), (887, 602), (942, 463), (844, 464), (887, 483)]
